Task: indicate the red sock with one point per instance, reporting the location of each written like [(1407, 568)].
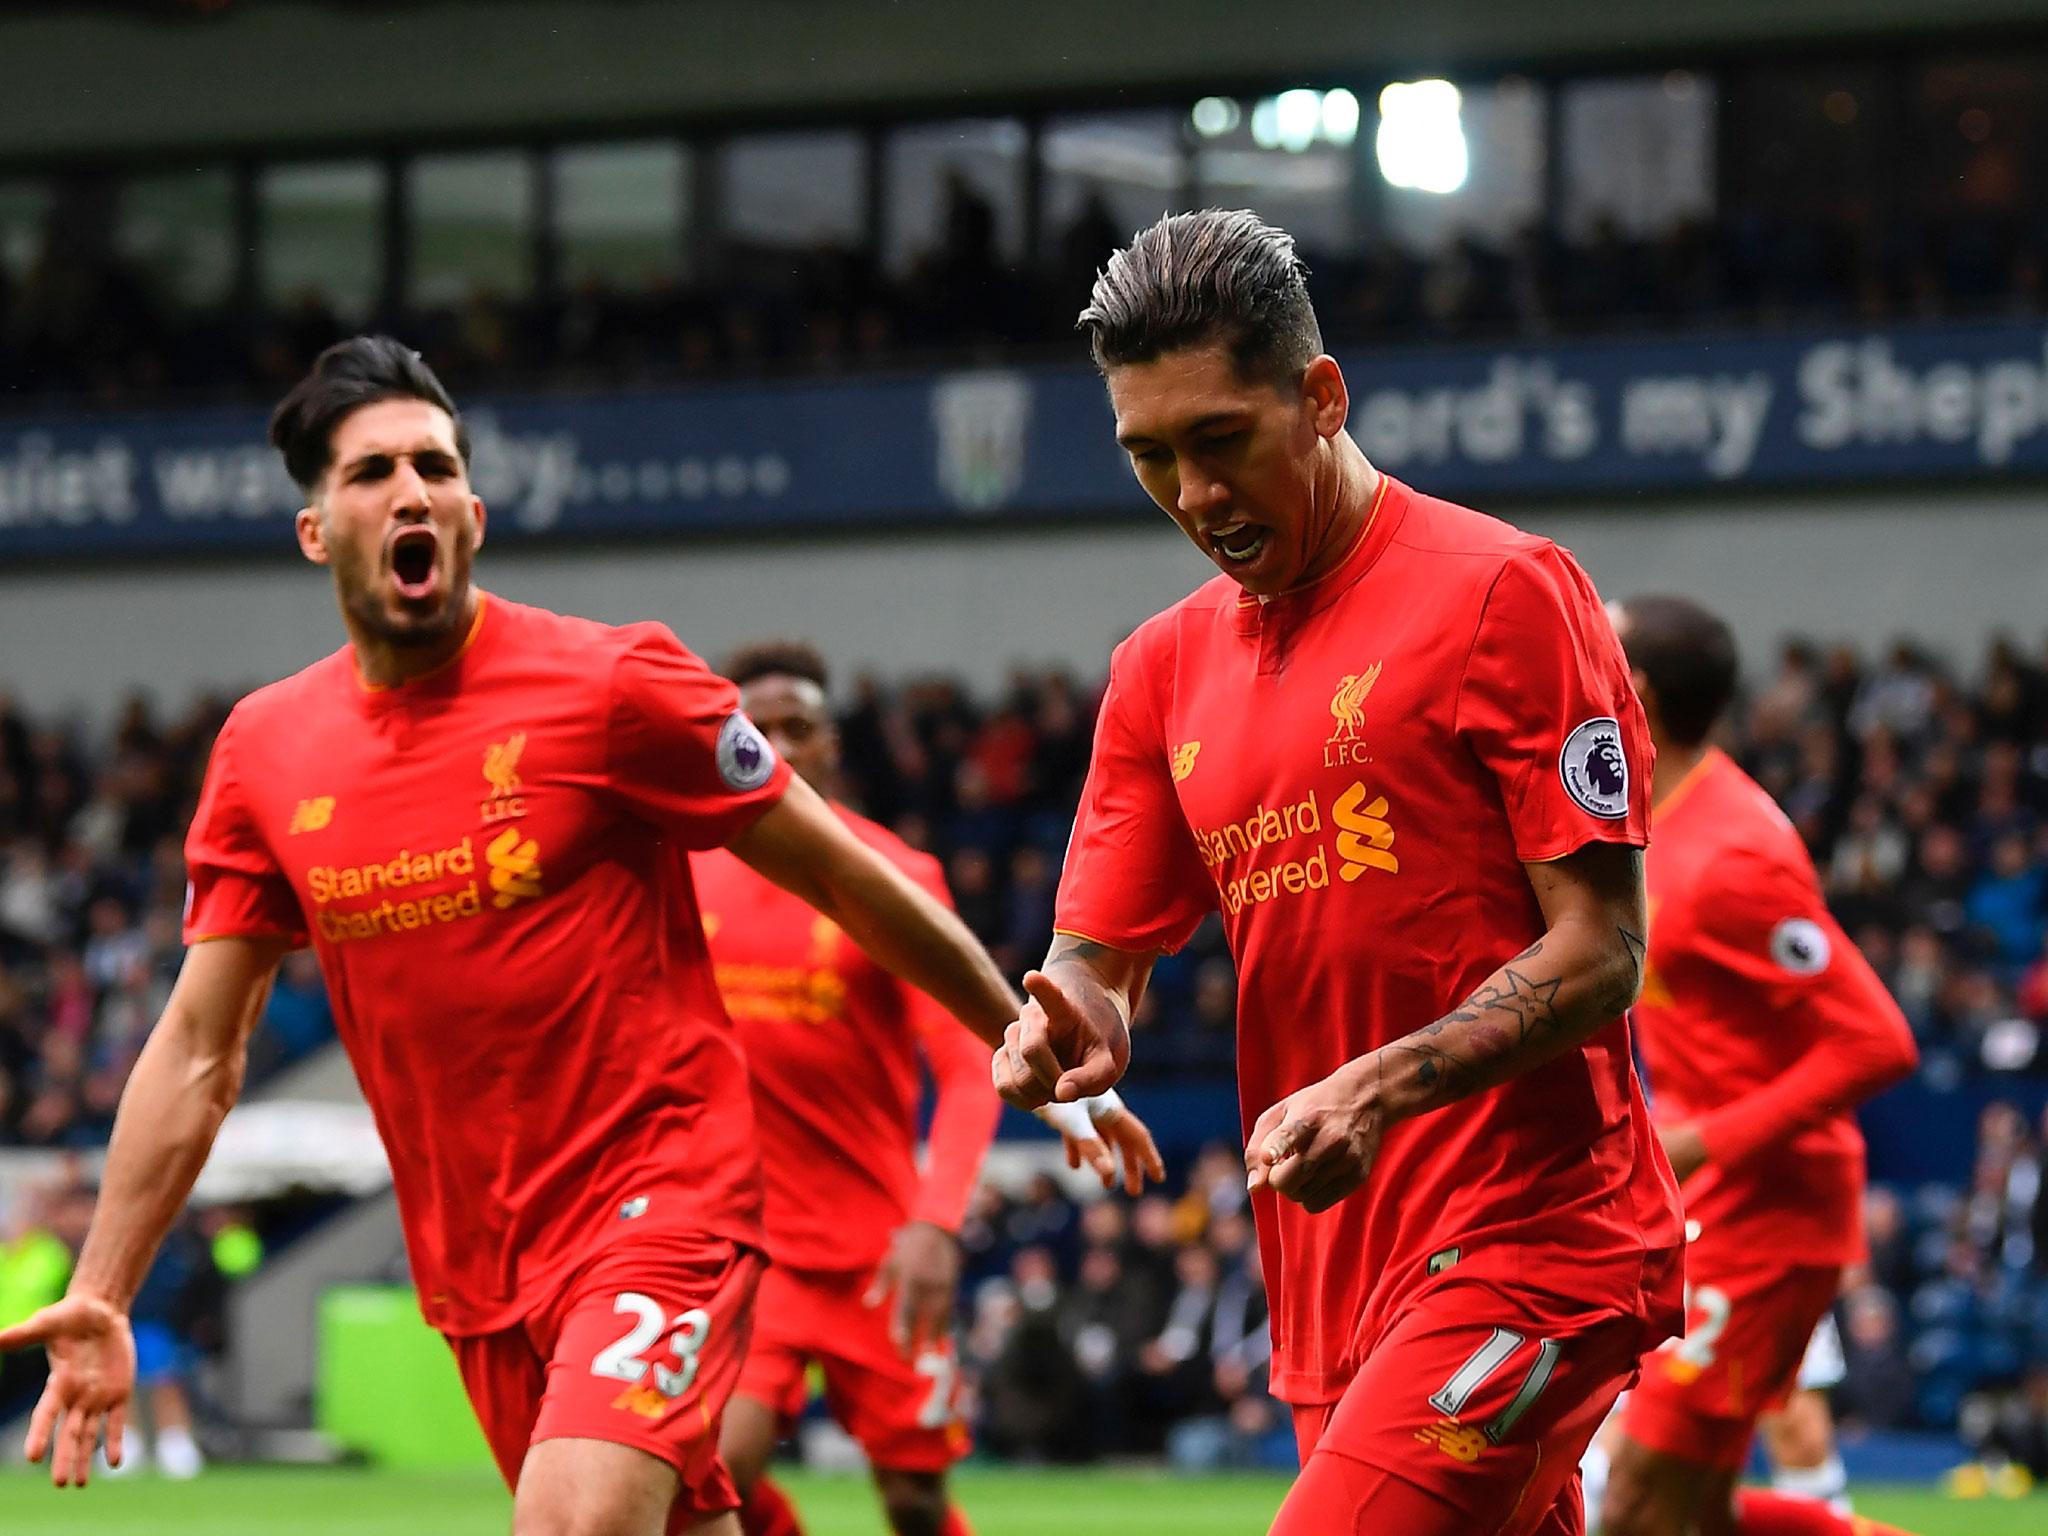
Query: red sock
[(956, 1523), (1758, 1513), (768, 1512)]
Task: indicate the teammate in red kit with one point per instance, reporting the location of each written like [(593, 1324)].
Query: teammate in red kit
[(476, 812), (1762, 1029), (1396, 744), (865, 1260)]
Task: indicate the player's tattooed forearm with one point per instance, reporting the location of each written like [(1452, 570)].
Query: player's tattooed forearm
[(1066, 946), (1525, 1004), (1467, 1049), (1638, 948), (1628, 980)]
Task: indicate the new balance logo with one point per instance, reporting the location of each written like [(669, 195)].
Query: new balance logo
[(311, 815), (1184, 757), (1454, 1440)]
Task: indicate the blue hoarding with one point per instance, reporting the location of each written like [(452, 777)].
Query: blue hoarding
[(1582, 418)]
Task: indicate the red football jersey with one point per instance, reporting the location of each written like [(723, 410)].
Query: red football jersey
[(1761, 1023), (484, 858), (832, 1043), (1355, 772)]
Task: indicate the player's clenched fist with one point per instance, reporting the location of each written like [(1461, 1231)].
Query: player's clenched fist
[(92, 1376), (1070, 1042), (1318, 1145)]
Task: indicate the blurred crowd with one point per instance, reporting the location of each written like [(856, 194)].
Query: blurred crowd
[(1121, 1328), (92, 890), (1920, 785), (81, 322)]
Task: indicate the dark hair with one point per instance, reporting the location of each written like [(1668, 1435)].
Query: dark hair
[(1202, 277), (771, 658), (347, 376), (1688, 656)]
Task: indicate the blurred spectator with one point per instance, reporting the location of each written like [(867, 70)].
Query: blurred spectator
[(1877, 1385), (37, 1243)]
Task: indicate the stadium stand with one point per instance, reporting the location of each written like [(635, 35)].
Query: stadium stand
[(1921, 787)]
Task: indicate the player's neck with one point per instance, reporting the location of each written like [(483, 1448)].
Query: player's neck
[(1353, 492), (382, 664), (1674, 766)]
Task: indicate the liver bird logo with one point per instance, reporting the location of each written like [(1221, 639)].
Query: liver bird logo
[(501, 763), (1348, 706)]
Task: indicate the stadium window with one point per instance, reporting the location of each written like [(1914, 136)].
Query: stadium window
[(322, 236), (1811, 140), (24, 210), (1291, 158), (952, 183), (472, 220), (1981, 123), (1105, 176), (1502, 189), (620, 212), (1638, 150), (179, 230), (793, 191)]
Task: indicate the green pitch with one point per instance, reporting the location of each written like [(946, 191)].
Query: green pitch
[(266, 1502)]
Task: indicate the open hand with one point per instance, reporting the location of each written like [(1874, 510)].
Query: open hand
[(92, 1376), (1119, 1136), (920, 1276), (1070, 1042)]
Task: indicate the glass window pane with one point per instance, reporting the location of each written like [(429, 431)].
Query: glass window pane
[(1108, 176), (323, 234), (794, 190), (472, 226), (619, 211), (1982, 123), (958, 184), (1251, 156), (1502, 193), (180, 230), (1810, 140), (1639, 151), (24, 209)]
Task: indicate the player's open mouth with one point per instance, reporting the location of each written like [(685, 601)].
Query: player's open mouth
[(1238, 543), (414, 553)]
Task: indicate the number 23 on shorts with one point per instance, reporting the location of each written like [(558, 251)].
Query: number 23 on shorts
[(622, 1359)]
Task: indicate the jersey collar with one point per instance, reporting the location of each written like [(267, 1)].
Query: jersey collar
[(437, 680), (1389, 507), (1710, 760)]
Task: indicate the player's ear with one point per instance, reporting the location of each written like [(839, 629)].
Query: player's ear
[(477, 515), (312, 532), (1324, 394), (1648, 695)]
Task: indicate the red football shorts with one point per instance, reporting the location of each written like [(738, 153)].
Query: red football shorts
[(641, 1348), (1483, 1401), (904, 1413), (1746, 1330)]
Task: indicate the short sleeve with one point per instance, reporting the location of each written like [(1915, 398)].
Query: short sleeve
[(1132, 879), (1547, 707), (235, 889), (679, 751), (1762, 920)]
